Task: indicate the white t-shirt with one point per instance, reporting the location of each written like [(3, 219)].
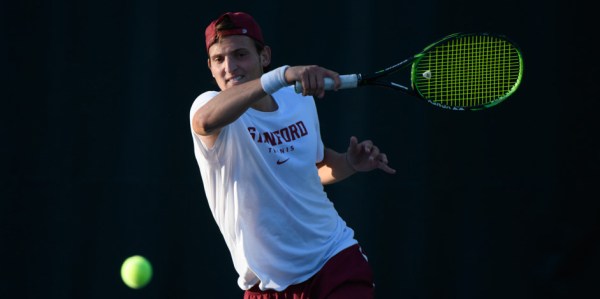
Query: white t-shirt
[(263, 189)]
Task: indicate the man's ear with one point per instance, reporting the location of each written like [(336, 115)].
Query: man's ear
[(208, 64), (265, 56)]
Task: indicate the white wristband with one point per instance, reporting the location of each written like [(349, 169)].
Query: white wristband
[(274, 80)]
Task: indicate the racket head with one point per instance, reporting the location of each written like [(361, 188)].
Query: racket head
[(468, 71)]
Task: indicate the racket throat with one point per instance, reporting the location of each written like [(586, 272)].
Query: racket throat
[(402, 87)]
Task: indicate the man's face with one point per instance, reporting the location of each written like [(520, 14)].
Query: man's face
[(234, 60)]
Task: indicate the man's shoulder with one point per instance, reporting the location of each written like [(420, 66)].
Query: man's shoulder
[(201, 100), (206, 96)]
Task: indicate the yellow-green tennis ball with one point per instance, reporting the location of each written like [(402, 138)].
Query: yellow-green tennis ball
[(136, 272)]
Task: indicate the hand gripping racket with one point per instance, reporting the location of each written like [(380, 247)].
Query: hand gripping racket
[(463, 71)]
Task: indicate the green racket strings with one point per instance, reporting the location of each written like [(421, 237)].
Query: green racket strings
[(469, 71)]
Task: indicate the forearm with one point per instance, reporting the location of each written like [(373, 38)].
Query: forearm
[(226, 107), (334, 167)]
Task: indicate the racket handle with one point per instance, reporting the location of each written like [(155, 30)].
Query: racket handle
[(347, 81)]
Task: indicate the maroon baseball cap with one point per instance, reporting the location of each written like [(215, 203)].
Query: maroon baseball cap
[(243, 24)]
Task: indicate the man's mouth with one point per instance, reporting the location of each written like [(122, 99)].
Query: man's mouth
[(235, 80)]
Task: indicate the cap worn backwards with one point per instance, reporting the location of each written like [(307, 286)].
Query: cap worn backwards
[(243, 24)]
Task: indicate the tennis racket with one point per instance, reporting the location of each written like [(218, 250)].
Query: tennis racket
[(463, 71)]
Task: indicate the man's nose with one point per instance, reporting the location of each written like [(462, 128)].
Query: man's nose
[(230, 64)]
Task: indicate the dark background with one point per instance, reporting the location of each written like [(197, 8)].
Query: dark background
[(97, 158)]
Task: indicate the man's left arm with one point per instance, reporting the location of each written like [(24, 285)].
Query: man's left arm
[(364, 156), (334, 167)]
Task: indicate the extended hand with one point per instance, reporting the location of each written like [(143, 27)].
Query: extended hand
[(365, 156)]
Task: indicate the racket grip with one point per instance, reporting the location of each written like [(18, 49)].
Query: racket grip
[(347, 81)]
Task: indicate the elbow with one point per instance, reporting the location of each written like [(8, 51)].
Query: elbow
[(201, 125)]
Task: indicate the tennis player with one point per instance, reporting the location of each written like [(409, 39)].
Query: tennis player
[(263, 165)]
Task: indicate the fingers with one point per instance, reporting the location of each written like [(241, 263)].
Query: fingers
[(353, 145), (312, 83), (383, 164), (387, 169), (337, 83), (312, 79), (368, 156), (368, 147)]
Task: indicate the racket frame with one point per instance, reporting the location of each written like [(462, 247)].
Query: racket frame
[(375, 78)]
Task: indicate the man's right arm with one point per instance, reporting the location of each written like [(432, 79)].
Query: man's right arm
[(225, 108), (232, 102)]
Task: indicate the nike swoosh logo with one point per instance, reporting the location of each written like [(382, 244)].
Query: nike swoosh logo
[(281, 162)]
